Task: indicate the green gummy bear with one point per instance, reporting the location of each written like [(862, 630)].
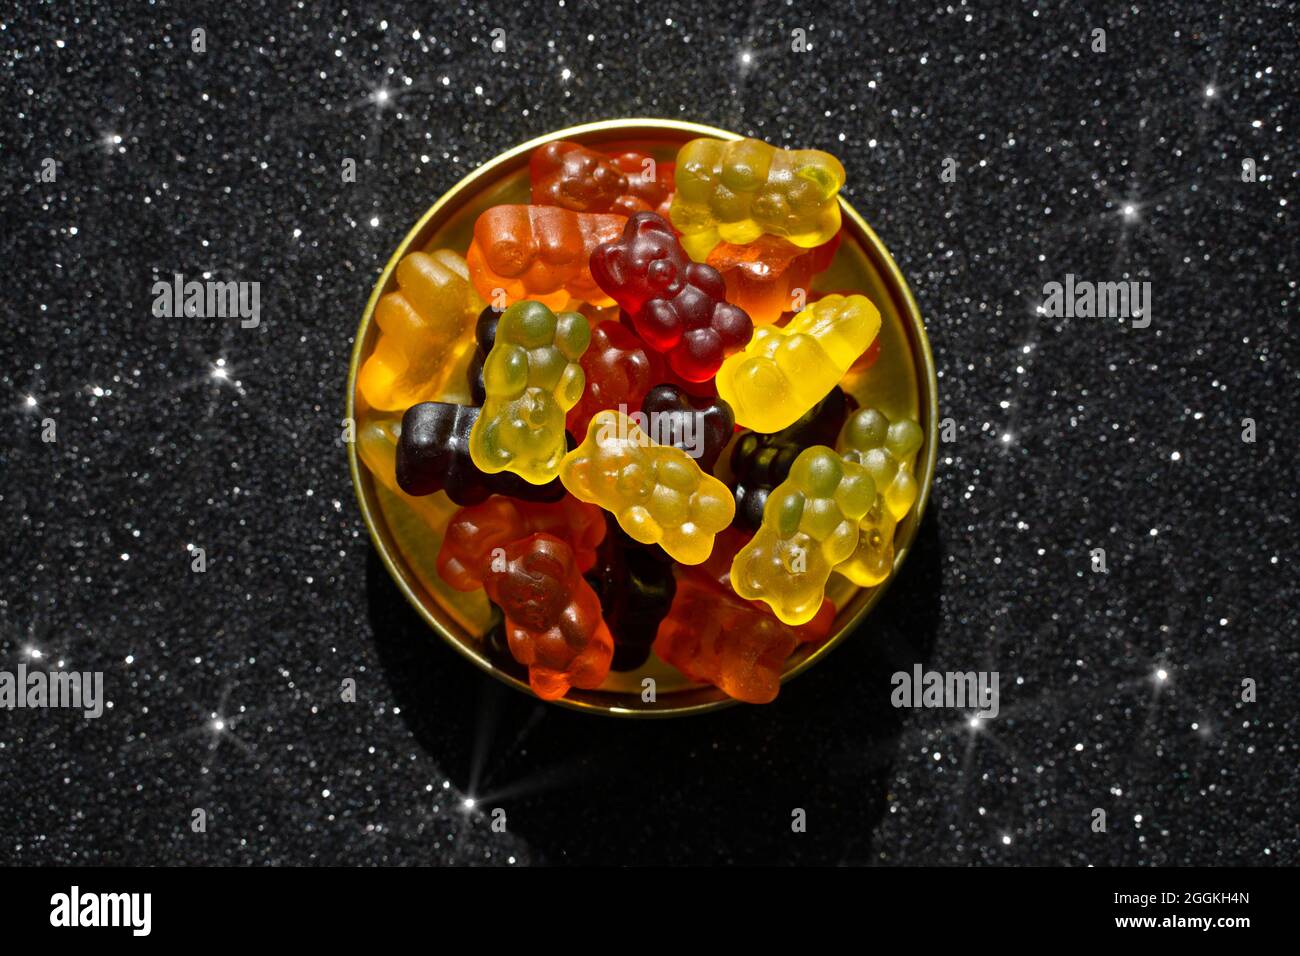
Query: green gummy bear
[(531, 379)]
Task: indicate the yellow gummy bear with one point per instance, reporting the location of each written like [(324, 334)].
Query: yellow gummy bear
[(377, 439), (657, 492), (421, 327), (885, 451), (810, 524), (531, 378), (738, 191), (783, 372)]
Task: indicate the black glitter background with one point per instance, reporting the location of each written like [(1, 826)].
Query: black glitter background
[(1072, 434)]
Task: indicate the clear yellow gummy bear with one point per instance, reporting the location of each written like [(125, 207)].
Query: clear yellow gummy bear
[(885, 451), (738, 191), (377, 438), (422, 327), (783, 372), (810, 524), (531, 378), (657, 492)]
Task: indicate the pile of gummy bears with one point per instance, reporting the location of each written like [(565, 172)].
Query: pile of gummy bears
[(596, 508)]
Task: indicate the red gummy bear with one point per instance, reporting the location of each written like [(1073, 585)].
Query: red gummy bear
[(552, 616), (706, 389), (620, 370), (577, 178), (713, 635), (645, 193), (570, 175), (678, 307), (475, 533)]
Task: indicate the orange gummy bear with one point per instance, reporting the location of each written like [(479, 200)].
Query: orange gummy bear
[(423, 326), (540, 253), (763, 277)]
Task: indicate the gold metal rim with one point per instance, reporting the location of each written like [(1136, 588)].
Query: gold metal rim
[(879, 256)]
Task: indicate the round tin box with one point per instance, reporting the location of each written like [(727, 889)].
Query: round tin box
[(407, 532)]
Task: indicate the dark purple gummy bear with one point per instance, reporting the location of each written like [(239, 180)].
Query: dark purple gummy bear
[(636, 591), (761, 462), (672, 416), (433, 455)]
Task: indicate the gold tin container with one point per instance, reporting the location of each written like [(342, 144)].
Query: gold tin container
[(901, 383)]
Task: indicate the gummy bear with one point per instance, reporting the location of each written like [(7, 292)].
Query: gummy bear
[(473, 534), (678, 307), (649, 184), (575, 177), (867, 358), (552, 616), (765, 277), (760, 462), (377, 440), (884, 450), (809, 526), (485, 336), (531, 379), (619, 369), (701, 427), (421, 327), (635, 589), (433, 455), (785, 371), (873, 556), (712, 635), (658, 493), (738, 191), (580, 179), (704, 389), (540, 253)]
